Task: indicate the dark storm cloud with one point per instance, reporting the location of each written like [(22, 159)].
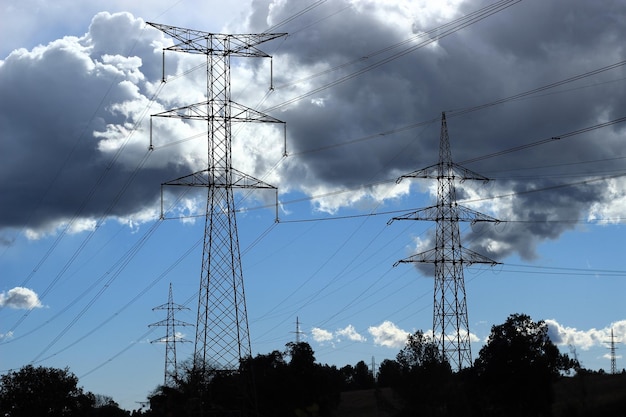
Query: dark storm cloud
[(529, 45), (52, 118), (59, 104), (541, 210), (469, 68)]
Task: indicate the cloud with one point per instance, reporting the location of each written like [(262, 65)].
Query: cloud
[(585, 339), (20, 298), (478, 65), (87, 91), (389, 335), (321, 335), (346, 118), (350, 333)]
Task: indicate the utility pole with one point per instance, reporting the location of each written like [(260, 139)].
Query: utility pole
[(170, 339), (222, 333), (450, 322)]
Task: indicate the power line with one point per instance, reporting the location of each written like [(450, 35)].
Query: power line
[(459, 112), (453, 113), (548, 140), (437, 34)]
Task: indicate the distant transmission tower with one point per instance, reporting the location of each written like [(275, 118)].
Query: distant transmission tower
[(222, 333), (450, 323), (170, 339), (298, 331), (612, 349), (374, 369)]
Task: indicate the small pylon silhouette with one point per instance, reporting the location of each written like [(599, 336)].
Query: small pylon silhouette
[(613, 355), (450, 321), (171, 338)]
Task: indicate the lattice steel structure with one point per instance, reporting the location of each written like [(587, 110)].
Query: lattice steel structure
[(222, 333), (613, 355), (298, 332), (450, 322), (170, 339)]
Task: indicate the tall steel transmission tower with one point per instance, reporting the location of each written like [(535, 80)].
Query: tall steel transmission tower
[(450, 323), (222, 333), (170, 339)]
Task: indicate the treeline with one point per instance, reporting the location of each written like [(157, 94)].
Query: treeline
[(42, 391), (281, 383), (518, 372)]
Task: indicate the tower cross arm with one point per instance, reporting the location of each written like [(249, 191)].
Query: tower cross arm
[(466, 214), (196, 111), (461, 213), (244, 44), (170, 306), (205, 178), (169, 322), (467, 257), (444, 170), (241, 113), (242, 180), (175, 339), (428, 172), (199, 42), (470, 257)]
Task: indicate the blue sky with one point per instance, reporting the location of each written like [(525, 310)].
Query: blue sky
[(84, 257)]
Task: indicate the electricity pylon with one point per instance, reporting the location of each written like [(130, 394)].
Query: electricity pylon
[(222, 333), (170, 339), (298, 332), (450, 323), (613, 356)]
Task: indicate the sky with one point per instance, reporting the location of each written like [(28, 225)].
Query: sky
[(534, 94)]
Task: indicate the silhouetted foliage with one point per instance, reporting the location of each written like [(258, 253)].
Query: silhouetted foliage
[(270, 383), (311, 388), (43, 391), (389, 373), (425, 377), (302, 357), (517, 367), (363, 378), (514, 375), (357, 377)]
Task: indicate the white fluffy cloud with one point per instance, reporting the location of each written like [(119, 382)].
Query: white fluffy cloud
[(321, 335), (389, 335), (585, 339), (20, 298), (347, 333), (350, 333)]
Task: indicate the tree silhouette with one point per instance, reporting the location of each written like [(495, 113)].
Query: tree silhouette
[(41, 391), (389, 373), (357, 377), (283, 388), (517, 367), (420, 376)]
